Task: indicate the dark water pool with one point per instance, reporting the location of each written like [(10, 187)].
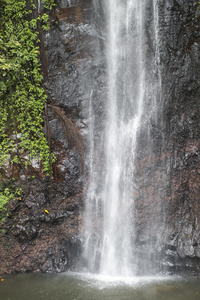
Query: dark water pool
[(71, 286)]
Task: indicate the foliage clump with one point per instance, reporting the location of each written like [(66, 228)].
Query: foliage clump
[(7, 194), (22, 96)]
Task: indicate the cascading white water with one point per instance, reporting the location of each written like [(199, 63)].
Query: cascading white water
[(109, 216)]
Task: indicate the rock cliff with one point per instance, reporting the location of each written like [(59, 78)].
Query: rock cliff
[(42, 234), (167, 197)]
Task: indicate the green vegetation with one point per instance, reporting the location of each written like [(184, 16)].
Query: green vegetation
[(22, 96), (5, 198), (7, 194)]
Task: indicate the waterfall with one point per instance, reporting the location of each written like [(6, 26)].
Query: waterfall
[(109, 213)]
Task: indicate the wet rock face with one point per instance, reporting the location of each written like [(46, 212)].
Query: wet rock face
[(167, 198), (42, 233), (70, 48)]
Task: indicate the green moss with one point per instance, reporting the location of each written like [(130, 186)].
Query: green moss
[(5, 198), (6, 194), (3, 231), (22, 96)]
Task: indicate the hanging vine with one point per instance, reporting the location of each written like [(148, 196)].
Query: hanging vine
[(22, 96)]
